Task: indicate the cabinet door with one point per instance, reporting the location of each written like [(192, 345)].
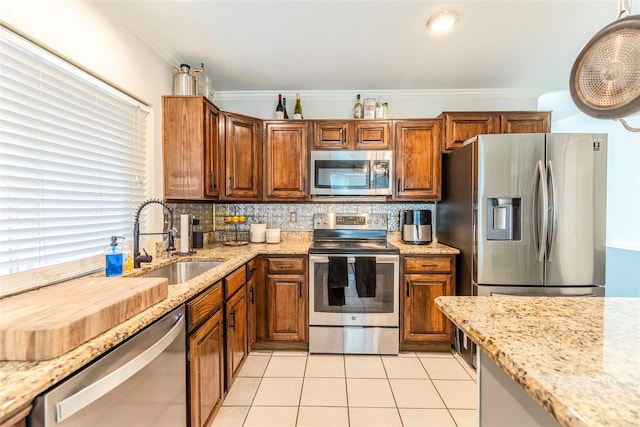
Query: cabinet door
[(418, 160), (183, 151), (236, 323), (242, 158), (212, 135), (526, 122), (458, 127), (206, 370), (287, 307), (286, 161), (372, 134), (422, 321), (330, 135)]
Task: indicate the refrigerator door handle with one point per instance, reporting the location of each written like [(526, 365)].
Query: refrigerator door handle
[(554, 211), (539, 237)]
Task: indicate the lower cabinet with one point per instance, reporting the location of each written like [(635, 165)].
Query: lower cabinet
[(287, 299), (205, 350), (424, 278), (235, 308)]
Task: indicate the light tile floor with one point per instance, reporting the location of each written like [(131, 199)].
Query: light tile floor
[(292, 388)]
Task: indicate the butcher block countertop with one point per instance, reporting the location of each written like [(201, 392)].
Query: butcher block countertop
[(22, 381), (576, 357)]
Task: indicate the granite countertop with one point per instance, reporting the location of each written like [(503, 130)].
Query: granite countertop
[(22, 381), (577, 357)]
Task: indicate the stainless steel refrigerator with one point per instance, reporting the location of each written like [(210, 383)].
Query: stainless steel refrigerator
[(527, 212)]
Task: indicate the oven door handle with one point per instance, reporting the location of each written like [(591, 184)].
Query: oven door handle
[(380, 259)]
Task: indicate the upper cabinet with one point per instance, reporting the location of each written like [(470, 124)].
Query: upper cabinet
[(352, 134), (418, 161), (286, 163), (243, 158), (190, 148), (460, 126)]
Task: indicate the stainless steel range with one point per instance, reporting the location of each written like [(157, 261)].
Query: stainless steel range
[(354, 285)]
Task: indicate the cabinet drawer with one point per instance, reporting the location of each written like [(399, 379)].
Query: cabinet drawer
[(275, 265), (428, 264), (203, 306), (234, 281)]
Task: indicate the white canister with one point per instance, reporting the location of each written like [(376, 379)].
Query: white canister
[(257, 233), (273, 235)]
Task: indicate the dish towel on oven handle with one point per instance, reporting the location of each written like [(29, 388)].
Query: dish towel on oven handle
[(337, 280), (366, 276)]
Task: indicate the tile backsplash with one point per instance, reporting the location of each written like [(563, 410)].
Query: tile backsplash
[(289, 217)]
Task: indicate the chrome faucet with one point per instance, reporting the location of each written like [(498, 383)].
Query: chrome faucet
[(137, 257)]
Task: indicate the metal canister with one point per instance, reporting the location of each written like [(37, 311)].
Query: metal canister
[(184, 83)]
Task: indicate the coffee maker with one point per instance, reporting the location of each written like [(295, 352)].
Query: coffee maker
[(416, 226)]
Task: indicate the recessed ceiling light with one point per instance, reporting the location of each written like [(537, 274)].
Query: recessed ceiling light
[(442, 20)]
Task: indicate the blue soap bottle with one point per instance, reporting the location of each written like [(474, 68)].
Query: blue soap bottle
[(114, 258)]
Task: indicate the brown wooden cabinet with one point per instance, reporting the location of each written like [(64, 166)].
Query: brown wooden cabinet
[(190, 148), (242, 158), (235, 323), (205, 355), (418, 162), (352, 135), (286, 299), (460, 126), (286, 162), (424, 278)]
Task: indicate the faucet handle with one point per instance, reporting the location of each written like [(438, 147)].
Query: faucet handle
[(144, 258)]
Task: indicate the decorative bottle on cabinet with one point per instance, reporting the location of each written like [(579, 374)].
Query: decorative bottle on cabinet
[(297, 109), (357, 109), (284, 105), (280, 108)]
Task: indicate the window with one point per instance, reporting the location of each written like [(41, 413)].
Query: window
[(73, 166)]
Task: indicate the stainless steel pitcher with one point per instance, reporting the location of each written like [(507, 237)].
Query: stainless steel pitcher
[(184, 83)]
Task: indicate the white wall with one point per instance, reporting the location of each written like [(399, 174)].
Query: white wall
[(402, 104)]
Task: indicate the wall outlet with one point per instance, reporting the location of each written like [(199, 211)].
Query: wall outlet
[(293, 217)]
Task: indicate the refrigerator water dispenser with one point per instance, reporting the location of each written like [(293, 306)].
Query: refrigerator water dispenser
[(503, 218)]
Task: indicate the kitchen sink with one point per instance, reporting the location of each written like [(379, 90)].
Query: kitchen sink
[(183, 271)]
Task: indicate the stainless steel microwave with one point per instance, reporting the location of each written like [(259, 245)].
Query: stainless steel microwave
[(351, 173)]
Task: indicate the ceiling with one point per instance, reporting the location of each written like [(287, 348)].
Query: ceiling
[(369, 44)]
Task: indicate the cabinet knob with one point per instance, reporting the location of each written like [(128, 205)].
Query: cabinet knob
[(407, 286)]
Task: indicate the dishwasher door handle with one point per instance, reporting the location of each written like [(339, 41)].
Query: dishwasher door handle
[(96, 390)]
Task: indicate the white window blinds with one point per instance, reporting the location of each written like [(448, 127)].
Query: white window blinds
[(72, 166)]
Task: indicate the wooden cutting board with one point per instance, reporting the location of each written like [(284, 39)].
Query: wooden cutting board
[(48, 322)]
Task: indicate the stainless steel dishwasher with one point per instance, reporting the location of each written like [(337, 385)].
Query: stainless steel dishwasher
[(141, 382)]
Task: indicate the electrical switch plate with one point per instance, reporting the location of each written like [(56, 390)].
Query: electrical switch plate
[(293, 216)]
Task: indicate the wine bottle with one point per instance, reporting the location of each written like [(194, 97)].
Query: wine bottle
[(357, 109), (279, 108), (297, 109), (284, 106)]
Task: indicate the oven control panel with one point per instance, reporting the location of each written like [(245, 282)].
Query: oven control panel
[(329, 221)]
